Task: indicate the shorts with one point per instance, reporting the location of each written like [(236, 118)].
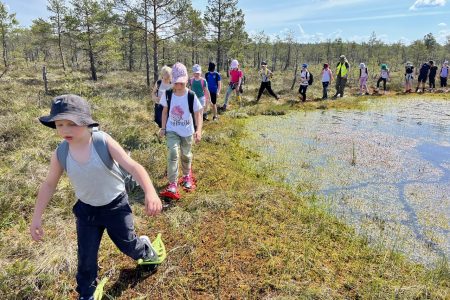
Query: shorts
[(202, 101), (422, 78), (213, 97), (409, 77)]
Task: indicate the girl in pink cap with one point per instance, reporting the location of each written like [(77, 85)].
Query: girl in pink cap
[(181, 124)]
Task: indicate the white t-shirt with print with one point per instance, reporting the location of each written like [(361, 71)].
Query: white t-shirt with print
[(180, 119)]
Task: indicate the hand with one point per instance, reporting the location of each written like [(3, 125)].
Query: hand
[(197, 136), (162, 132), (36, 230), (153, 205)]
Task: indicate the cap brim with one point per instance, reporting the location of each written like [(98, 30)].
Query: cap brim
[(80, 120)]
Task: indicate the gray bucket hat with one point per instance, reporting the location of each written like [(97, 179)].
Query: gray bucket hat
[(69, 107)]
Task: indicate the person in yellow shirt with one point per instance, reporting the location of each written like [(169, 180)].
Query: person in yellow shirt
[(342, 70)]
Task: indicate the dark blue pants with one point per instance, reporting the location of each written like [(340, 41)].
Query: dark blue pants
[(117, 219)]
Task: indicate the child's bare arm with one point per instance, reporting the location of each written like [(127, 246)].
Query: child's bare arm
[(152, 202), (46, 191), (162, 131), (199, 124)]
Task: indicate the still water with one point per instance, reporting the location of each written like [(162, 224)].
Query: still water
[(384, 170)]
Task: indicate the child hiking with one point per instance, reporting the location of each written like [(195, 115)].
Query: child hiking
[(384, 77), (164, 83), (214, 86), (327, 78), (444, 74), (423, 76), (102, 199), (304, 81), (199, 86), (432, 75), (236, 76), (363, 76), (265, 74), (181, 125), (409, 76)]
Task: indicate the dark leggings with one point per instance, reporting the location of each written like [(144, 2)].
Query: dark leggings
[(302, 91), (265, 85), (443, 81), (432, 82), (384, 82)]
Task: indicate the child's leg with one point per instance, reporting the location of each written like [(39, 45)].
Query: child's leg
[(262, 87), (384, 84), (89, 235), (269, 89), (173, 144), (325, 90), (186, 154), (378, 82), (118, 220), (227, 95), (214, 103)]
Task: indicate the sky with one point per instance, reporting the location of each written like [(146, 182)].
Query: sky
[(318, 20)]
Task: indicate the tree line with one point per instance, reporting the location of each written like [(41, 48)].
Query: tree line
[(143, 35)]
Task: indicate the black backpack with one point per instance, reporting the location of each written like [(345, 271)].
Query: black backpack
[(310, 79), (191, 97)]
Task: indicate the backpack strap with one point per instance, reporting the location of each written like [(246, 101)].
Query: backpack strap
[(169, 93), (191, 98), (101, 147), (61, 153), (158, 85)]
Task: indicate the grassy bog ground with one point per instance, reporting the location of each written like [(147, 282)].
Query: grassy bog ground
[(238, 236)]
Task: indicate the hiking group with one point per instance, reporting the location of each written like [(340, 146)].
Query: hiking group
[(97, 166)]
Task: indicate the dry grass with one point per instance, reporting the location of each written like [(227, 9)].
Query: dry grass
[(239, 236)]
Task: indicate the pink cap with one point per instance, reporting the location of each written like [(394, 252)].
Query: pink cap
[(179, 73)]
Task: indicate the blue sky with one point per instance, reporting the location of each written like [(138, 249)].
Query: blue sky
[(317, 20)]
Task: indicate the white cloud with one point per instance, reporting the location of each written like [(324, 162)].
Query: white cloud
[(427, 3), (442, 24)]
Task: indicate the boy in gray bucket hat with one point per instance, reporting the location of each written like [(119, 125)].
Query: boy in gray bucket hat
[(102, 199)]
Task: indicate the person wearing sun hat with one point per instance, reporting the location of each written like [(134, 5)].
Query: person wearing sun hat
[(342, 70), (363, 76), (102, 199), (181, 125), (236, 76), (199, 86), (384, 77)]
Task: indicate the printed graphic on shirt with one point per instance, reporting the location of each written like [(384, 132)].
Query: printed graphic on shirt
[(176, 116)]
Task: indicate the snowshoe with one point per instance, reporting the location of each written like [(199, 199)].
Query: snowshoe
[(160, 249), (98, 294)]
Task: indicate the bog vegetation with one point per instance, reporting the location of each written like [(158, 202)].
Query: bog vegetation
[(240, 235)]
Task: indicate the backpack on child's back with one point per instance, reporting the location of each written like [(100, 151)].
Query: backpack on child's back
[(101, 147)]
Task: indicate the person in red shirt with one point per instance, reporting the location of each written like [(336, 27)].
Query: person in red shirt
[(236, 76)]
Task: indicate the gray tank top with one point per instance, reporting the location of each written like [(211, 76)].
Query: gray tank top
[(162, 88), (93, 182)]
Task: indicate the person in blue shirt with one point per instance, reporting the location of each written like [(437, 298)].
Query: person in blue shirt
[(214, 81)]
